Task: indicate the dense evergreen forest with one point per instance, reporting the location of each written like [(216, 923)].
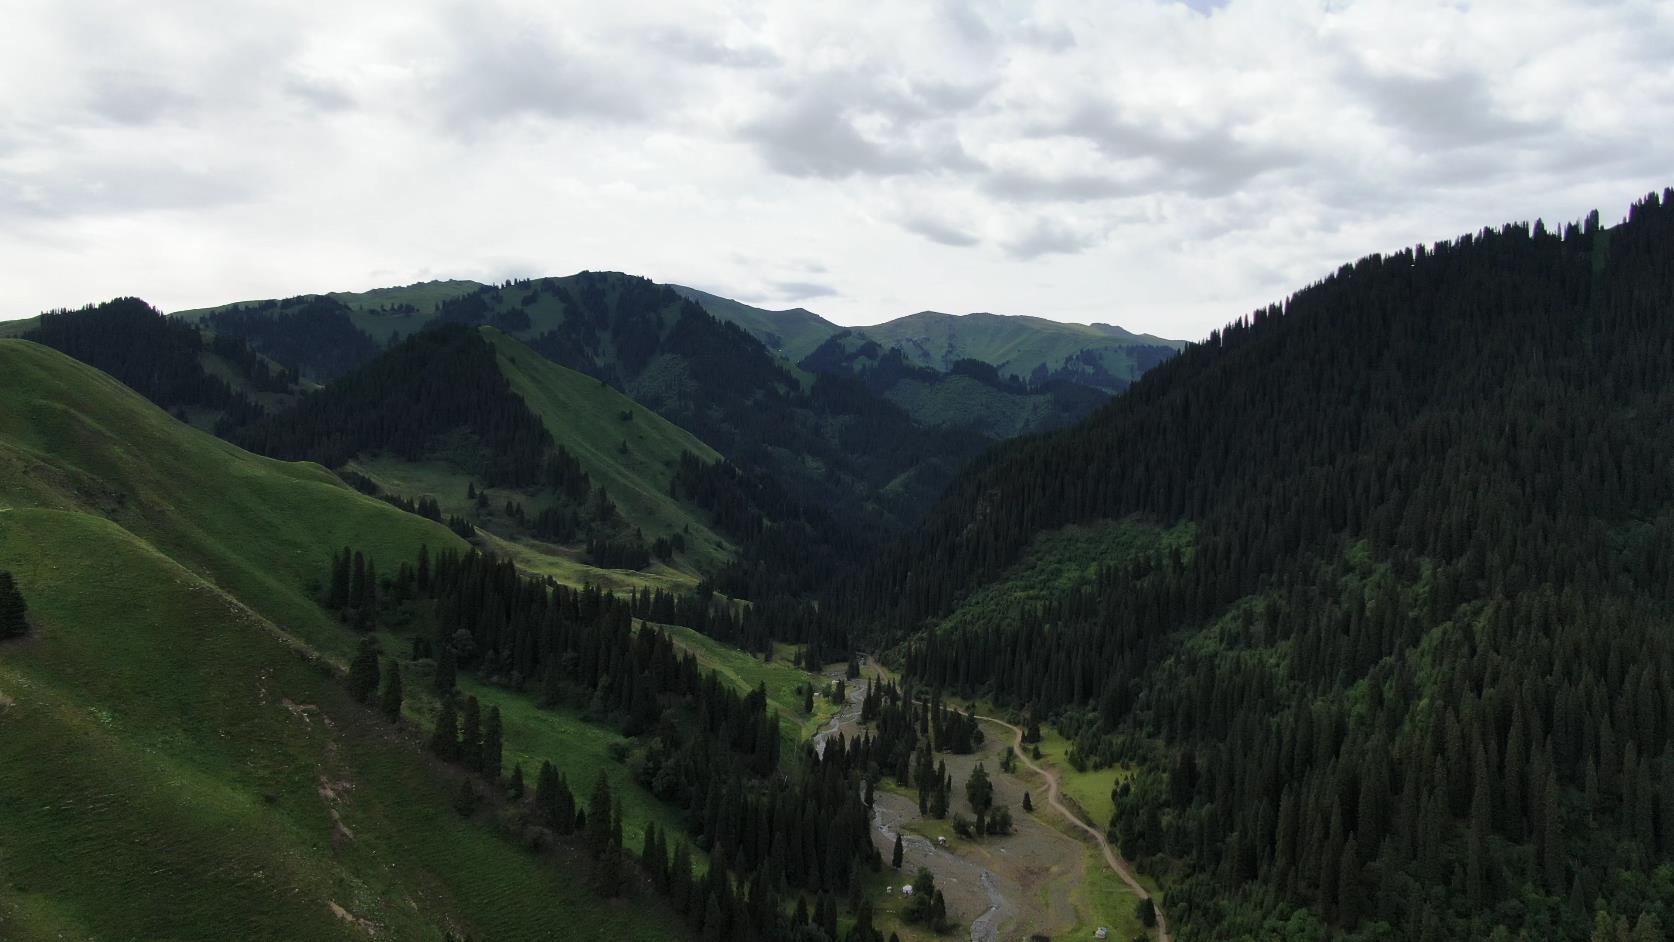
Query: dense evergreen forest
[(163, 359), (313, 335), (775, 827), (436, 383), (1414, 677)]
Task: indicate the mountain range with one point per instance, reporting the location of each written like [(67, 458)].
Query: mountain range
[(502, 611)]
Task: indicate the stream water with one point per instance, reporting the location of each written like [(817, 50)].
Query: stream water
[(952, 872)]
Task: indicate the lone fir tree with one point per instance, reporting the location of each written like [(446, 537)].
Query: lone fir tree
[(13, 610)]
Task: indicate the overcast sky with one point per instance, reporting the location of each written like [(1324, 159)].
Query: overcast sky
[(1160, 164)]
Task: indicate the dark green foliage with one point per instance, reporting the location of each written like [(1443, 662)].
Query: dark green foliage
[(14, 611), (1146, 910), (363, 671), (465, 799), (161, 358), (310, 335), (434, 383), (1412, 676), (493, 745), (470, 736), (444, 739), (896, 855), (446, 667)]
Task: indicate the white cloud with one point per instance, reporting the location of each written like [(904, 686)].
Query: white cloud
[(1163, 164)]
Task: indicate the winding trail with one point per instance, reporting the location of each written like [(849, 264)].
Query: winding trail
[(1117, 863)]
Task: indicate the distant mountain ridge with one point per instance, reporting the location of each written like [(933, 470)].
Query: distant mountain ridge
[(1035, 349)]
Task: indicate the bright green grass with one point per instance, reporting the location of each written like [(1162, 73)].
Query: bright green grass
[(584, 416), (169, 769), (580, 749), (73, 438), (447, 484), (781, 677)]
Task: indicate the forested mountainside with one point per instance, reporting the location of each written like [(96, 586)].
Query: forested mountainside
[(214, 381), (1411, 676), (481, 431), (833, 463), (971, 394)]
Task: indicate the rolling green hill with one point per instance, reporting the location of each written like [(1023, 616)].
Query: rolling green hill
[(792, 334), (193, 772), (1036, 349)]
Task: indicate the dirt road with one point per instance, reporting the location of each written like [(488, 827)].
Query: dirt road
[(1116, 862)]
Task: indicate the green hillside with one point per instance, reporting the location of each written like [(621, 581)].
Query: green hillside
[(1033, 348), (624, 447), (191, 776), (793, 333)]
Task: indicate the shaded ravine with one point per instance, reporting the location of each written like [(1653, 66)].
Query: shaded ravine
[(1117, 863), (888, 813)]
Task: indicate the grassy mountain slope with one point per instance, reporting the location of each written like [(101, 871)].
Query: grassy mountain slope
[(382, 313), (73, 438), (633, 459), (1034, 348), (792, 334), (189, 775)]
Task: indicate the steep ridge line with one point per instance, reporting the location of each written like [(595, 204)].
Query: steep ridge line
[(1117, 863)]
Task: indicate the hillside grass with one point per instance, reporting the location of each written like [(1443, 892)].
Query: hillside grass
[(186, 775), (73, 438), (175, 755), (781, 678), (633, 459)]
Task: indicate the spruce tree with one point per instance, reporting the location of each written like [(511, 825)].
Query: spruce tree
[(896, 855), (390, 701), (492, 745), (444, 740), (470, 736), (13, 611), (465, 800), (363, 671)]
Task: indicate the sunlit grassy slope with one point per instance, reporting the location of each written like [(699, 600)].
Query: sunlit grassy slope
[(73, 438), (172, 763), (632, 458)]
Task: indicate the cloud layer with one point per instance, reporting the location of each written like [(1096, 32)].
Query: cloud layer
[(1161, 164)]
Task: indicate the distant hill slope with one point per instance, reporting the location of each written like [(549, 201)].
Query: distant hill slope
[(792, 334), (212, 381), (456, 411), (1410, 675), (1033, 348), (830, 454), (188, 776)]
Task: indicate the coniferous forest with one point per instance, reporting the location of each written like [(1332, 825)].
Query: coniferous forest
[(1412, 678)]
